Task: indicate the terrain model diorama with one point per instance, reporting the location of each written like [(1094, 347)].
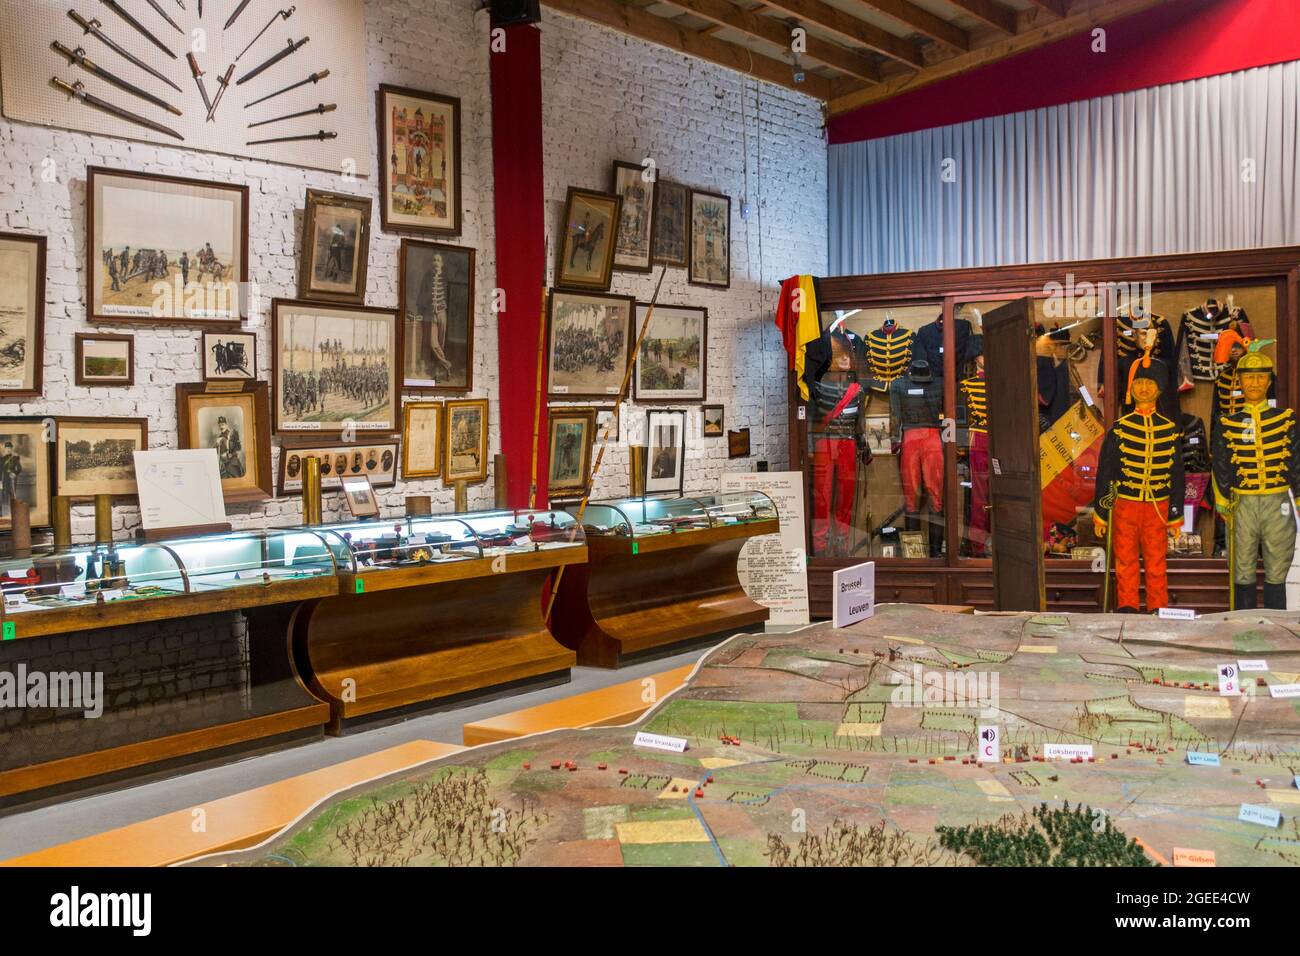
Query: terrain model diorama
[(915, 738)]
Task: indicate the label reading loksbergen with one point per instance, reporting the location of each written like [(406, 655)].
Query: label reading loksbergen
[(855, 594)]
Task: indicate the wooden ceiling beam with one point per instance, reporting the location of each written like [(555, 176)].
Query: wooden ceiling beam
[(1060, 8), (851, 29), (995, 14), (725, 14), (922, 21)]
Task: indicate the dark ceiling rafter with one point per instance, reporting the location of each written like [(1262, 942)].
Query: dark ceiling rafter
[(850, 29), (995, 14), (922, 21)]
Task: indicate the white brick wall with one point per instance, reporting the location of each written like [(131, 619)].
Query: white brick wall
[(605, 97)]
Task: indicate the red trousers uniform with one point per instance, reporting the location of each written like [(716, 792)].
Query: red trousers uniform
[(920, 465), (834, 477), (1138, 529), (979, 493)]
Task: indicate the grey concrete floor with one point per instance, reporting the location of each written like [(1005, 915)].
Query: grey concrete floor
[(28, 831)]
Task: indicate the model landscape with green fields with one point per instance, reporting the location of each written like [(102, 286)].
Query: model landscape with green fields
[(861, 746)]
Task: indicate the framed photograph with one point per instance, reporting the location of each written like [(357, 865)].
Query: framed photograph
[(335, 247), (710, 240), (465, 445), (22, 315), (229, 356), (164, 250), (738, 443), (712, 421), (636, 192), (376, 459), (878, 434), (102, 359), (96, 456), (607, 425), (572, 432), (589, 343), (422, 440), (585, 259), (237, 424), (665, 459), (360, 496), (437, 308), (913, 544), (419, 161), (333, 367), (25, 469), (671, 225), (672, 362)]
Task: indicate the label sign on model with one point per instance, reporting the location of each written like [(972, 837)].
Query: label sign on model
[(855, 594)]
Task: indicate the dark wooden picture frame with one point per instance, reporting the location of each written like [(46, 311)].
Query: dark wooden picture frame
[(33, 344), (385, 160), (387, 446), (405, 305), (79, 360), (62, 422), (570, 414), (449, 432), (650, 458), (360, 510), (565, 250), (439, 416), (692, 236), (620, 367), (652, 190), (667, 224), (93, 250), (676, 397), (319, 200), (738, 445), (704, 421), (250, 351), (35, 431), (257, 484)]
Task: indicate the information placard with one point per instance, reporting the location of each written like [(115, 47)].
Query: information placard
[(855, 594), (179, 489), (773, 568)]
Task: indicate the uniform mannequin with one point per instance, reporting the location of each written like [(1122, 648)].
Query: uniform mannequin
[(916, 417), (837, 400), (975, 398)]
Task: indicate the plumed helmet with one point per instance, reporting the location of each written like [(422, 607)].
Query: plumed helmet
[(1255, 360)]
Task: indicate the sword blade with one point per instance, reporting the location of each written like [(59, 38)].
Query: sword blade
[(322, 109), (292, 48), (163, 13), (137, 26), (91, 28), (314, 78), (90, 66), (90, 99), (243, 4), (322, 135)]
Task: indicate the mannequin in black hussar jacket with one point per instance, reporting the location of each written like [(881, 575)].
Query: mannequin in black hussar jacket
[(833, 371), (916, 422), (928, 346)]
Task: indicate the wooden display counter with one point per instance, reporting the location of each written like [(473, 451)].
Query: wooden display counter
[(637, 597)]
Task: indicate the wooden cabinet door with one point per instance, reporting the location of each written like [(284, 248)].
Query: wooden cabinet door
[(1014, 492)]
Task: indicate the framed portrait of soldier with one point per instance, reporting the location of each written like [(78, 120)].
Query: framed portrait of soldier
[(335, 247), (25, 472), (437, 308), (585, 258), (709, 246), (635, 186), (334, 368), (422, 440), (376, 458), (229, 356), (665, 460), (165, 250), (672, 363), (466, 438), (22, 315), (360, 496), (96, 456), (236, 424), (671, 227), (590, 338), (103, 360), (571, 435), (419, 161)]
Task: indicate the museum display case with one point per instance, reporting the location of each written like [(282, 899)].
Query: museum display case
[(660, 572)]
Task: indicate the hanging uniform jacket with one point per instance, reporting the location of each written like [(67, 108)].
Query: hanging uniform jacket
[(1196, 446), (1053, 391), (889, 353), (1129, 344), (1198, 332), (1141, 460), (975, 398), (837, 400), (929, 345)]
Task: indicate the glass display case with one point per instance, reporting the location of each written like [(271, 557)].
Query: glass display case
[(644, 517)]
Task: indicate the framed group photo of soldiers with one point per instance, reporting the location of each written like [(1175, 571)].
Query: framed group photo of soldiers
[(229, 356), (236, 424), (673, 361), (100, 359), (419, 161), (165, 250), (22, 315), (96, 456), (588, 232), (572, 433), (436, 284), (335, 247), (590, 337), (375, 458), (25, 469), (334, 368)]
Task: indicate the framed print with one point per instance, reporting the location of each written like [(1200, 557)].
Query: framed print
[(422, 440), (376, 459), (672, 363), (665, 458), (437, 308), (671, 225), (585, 259), (96, 456), (711, 421), (607, 425), (590, 338), (164, 250), (464, 454), (335, 247), (878, 432), (738, 443), (635, 242), (237, 425), (333, 367), (103, 359), (571, 434), (913, 543), (709, 262), (360, 496), (22, 315), (229, 356), (419, 161), (25, 469)]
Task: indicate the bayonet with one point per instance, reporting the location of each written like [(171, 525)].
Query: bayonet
[(163, 13), (79, 57), (322, 135), (322, 109), (136, 25), (286, 14), (314, 78), (198, 79), (235, 16), (224, 83), (96, 28), (77, 89), (293, 47)]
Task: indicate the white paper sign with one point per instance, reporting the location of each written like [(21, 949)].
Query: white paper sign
[(990, 743), (1067, 751), (179, 489), (1264, 816), (1255, 665), (773, 568), (659, 742), (1229, 684), (1284, 690), (1177, 614), (855, 594)]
